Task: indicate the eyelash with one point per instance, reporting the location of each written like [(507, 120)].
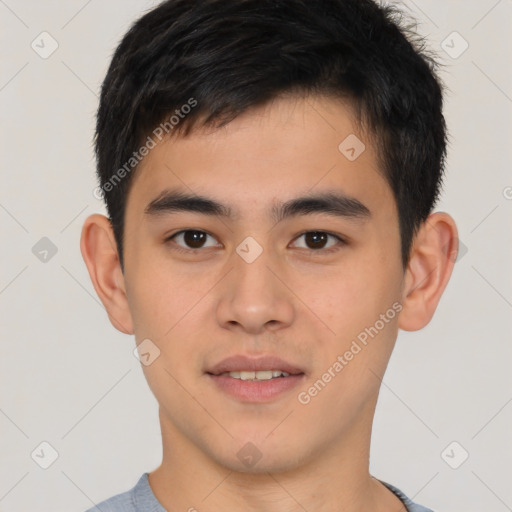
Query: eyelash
[(337, 247)]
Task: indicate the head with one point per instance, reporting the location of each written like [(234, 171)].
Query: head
[(275, 119), (203, 63)]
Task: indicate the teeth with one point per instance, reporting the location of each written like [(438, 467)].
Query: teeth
[(264, 375), (259, 375)]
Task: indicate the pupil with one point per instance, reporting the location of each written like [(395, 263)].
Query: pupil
[(316, 238), (194, 239)]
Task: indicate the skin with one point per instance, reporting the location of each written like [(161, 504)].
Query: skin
[(294, 301)]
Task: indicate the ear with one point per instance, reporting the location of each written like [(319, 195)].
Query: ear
[(99, 252), (433, 256)]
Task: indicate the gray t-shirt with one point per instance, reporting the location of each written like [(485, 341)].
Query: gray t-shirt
[(142, 499)]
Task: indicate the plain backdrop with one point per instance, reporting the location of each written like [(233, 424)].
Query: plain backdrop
[(69, 379)]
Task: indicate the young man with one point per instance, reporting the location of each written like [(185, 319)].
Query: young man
[(270, 170)]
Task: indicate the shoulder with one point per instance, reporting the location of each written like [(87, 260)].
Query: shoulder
[(409, 504), (123, 501), (139, 498)]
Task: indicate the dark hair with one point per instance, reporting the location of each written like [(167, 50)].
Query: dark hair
[(221, 57)]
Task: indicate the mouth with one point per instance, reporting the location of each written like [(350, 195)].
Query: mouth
[(256, 376), (244, 367), (253, 380)]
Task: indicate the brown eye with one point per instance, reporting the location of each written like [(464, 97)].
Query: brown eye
[(192, 239), (316, 240)]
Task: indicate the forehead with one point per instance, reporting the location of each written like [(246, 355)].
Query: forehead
[(289, 147)]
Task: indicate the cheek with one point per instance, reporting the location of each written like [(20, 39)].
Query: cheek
[(158, 300), (340, 297), (172, 309), (351, 298)]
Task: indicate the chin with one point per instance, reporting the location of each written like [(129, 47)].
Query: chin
[(257, 455)]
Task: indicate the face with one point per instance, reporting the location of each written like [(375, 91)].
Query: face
[(285, 258)]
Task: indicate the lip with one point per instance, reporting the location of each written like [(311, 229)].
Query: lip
[(241, 362), (255, 391)]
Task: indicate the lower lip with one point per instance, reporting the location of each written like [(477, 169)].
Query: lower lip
[(256, 391)]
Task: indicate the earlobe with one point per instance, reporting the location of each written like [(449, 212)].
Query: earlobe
[(430, 266), (99, 251)]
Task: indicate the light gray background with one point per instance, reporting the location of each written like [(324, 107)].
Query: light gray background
[(70, 379)]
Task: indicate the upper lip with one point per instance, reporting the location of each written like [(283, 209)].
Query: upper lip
[(242, 362)]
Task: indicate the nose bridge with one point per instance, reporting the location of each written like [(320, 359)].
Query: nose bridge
[(251, 270), (253, 298)]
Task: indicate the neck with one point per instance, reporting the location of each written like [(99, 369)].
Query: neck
[(335, 479)]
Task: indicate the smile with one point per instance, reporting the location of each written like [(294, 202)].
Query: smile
[(259, 375)]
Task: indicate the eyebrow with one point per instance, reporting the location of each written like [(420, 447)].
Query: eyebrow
[(330, 203)]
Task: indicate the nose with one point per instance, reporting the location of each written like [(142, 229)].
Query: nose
[(254, 298)]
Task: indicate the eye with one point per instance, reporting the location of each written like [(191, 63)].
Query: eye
[(318, 240), (191, 239)]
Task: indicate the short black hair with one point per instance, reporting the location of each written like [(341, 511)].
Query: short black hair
[(189, 63)]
